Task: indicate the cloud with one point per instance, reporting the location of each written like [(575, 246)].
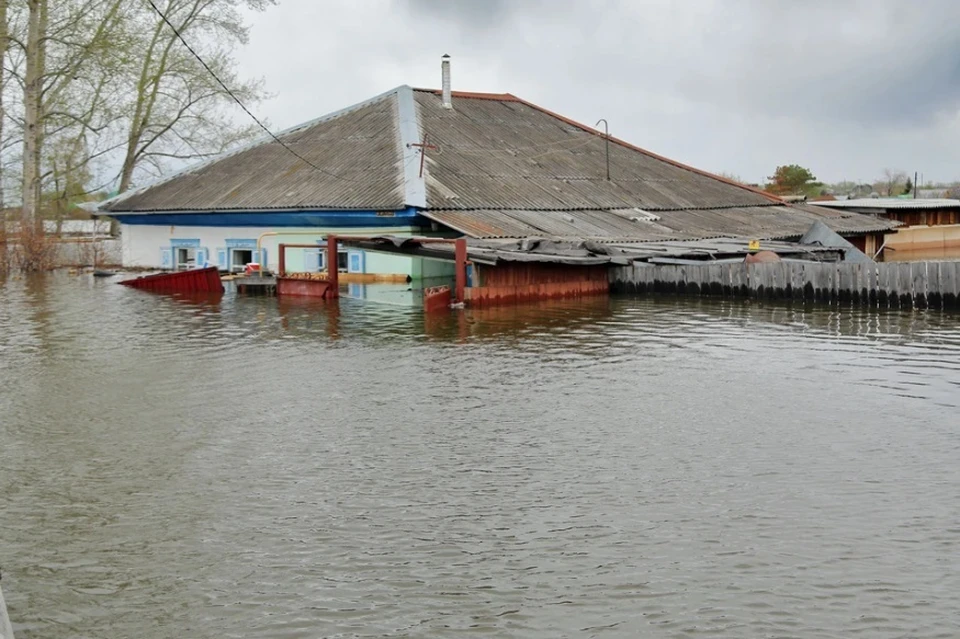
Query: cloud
[(467, 13), (846, 87), (879, 62)]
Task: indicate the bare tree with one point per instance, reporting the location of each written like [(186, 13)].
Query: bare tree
[(11, 104), (892, 183), (176, 109), (35, 52), (4, 43), (104, 85), (65, 85)]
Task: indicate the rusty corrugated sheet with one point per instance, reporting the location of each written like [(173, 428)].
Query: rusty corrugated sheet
[(498, 223), (359, 154)]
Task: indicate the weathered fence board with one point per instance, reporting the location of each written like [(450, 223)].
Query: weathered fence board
[(906, 284)]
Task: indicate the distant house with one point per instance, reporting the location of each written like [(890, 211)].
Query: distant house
[(925, 223), (60, 228), (419, 161), (934, 193), (906, 211)]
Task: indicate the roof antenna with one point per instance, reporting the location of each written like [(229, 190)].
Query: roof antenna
[(606, 136), (447, 100)]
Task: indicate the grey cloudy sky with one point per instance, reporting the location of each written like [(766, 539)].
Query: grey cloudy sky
[(845, 87)]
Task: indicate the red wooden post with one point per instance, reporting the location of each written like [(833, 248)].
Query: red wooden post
[(460, 254), (333, 268), (282, 267)]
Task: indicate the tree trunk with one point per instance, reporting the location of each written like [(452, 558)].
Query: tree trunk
[(126, 173), (32, 107), (4, 41)]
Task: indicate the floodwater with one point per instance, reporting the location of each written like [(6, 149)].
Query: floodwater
[(626, 468)]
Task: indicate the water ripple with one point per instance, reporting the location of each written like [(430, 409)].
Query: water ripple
[(236, 467)]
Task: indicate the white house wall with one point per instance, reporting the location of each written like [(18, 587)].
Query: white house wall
[(142, 245)]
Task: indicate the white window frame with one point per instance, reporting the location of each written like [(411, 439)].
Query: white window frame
[(231, 252), (191, 255)]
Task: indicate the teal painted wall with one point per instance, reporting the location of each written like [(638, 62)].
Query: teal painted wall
[(387, 263), (437, 268), (380, 263), (424, 269)]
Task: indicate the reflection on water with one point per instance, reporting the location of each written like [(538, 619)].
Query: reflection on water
[(237, 467)]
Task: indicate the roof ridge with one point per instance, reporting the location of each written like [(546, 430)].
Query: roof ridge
[(474, 95), (408, 135)]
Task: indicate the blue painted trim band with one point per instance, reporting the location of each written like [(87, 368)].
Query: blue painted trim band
[(185, 243), (241, 244), (281, 219)]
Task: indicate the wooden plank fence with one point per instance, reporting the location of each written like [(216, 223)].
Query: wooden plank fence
[(886, 284)]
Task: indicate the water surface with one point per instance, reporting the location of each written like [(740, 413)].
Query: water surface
[(635, 467)]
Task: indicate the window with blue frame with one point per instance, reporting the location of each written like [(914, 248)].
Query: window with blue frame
[(318, 261), (185, 254), (239, 253)]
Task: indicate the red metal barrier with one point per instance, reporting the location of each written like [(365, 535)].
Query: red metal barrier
[(436, 298), (304, 288), (201, 280)]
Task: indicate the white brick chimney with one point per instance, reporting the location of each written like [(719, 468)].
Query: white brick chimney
[(447, 99)]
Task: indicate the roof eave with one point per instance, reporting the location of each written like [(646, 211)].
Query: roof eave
[(253, 211)]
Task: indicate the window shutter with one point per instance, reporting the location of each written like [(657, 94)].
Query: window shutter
[(311, 260), (355, 263)]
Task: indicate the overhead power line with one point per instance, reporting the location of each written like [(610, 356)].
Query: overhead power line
[(237, 100)]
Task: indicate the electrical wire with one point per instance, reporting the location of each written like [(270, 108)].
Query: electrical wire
[(237, 100)]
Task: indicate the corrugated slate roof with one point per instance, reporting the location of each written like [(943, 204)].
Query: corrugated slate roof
[(515, 223), (497, 167), (358, 149), (761, 222), (506, 153)]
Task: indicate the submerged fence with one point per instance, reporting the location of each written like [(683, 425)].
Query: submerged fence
[(889, 284)]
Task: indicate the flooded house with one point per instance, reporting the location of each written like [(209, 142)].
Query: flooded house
[(442, 163)]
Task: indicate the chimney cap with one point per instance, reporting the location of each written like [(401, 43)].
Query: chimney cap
[(446, 56)]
